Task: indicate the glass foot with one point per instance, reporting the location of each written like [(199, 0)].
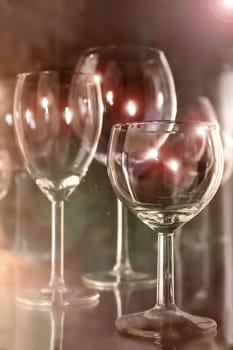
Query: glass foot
[(165, 324), (106, 280), (62, 298)]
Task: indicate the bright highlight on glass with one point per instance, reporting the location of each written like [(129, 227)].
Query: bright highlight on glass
[(29, 119), (200, 130), (173, 165), (131, 108), (160, 100), (68, 115), (152, 154), (109, 97), (9, 119), (45, 103)]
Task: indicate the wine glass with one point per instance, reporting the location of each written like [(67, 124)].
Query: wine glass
[(136, 85), (58, 119), (200, 108), (5, 172), (7, 162), (166, 173)]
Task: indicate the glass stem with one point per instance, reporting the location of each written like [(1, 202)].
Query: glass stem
[(57, 329), (122, 255), (57, 250), (19, 197), (179, 271), (165, 271)]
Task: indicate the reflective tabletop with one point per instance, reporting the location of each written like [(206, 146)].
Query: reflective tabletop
[(204, 278), (87, 327)]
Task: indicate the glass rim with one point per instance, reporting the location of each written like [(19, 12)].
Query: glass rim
[(136, 125), (99, 48), (50, 71)]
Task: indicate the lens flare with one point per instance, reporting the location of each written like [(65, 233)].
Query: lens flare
[(228, 4)]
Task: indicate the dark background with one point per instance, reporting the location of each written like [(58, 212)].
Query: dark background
[(51, 33)]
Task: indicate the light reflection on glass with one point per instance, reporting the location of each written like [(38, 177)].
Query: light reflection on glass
[(45, 104), (224, 108), (131, 108), (152, 154), (68, 115), (173, 164), (9, 119), (109, 97), (228, 151), (160, 100), (228, 140), (29, 119), (97, 78), (83, 105), (201, 131)]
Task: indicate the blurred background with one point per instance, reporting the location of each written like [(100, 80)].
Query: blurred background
[(197, 38)]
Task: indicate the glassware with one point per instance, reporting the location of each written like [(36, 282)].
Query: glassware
[(166, 173), (58, 119), (5, 172), (200, 108), (7, 162), (136, 85), (14, 179)]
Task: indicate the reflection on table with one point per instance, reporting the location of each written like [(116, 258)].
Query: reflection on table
[(93, 327), (205, 267)]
